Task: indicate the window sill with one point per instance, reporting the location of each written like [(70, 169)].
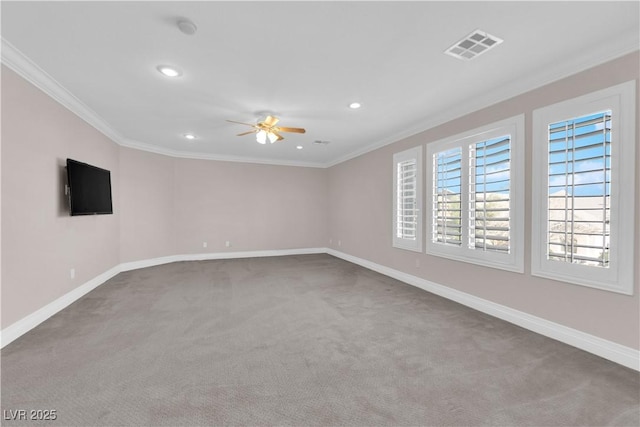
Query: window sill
[(514, 268), (407, 247), (581, 281)]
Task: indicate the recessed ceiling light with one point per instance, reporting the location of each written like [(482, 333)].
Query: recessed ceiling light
[(168, 71), (299, 147), (355, 105), (190, 136)]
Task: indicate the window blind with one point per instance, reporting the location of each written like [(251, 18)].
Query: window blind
[(489, 194), (407, 208), (579, 190), (446, 204)]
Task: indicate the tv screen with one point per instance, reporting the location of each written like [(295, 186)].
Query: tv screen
[(89, 189)]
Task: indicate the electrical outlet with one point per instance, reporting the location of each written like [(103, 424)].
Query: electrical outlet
[(227, 244), (339, 243), (204, 244), (330, 241), (72, 273), (417, 263)]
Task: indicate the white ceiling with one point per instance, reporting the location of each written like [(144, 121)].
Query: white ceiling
[(303, 61)]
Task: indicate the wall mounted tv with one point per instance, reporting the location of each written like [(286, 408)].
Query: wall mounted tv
[(89, 189)]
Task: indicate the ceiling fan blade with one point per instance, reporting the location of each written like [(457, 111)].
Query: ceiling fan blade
[(286, 129), (271, 121), (247, 133), (280, 137), (241, 123)]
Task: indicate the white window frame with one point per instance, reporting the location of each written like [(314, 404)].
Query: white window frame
[(398, 242), (514, 260), (620, 100)]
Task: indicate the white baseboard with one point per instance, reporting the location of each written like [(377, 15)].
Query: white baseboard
[(218, 255), (251, 254), (24, 325), (151, 262), (623, 355), (610, 350)]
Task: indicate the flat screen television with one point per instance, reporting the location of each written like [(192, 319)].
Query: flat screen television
[(89, 189)]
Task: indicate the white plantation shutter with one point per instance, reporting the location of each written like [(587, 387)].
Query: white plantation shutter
[(490, 195), (579, 188), (407, 215), (583, 190), (407, 199), (447, 193), (476, 196)]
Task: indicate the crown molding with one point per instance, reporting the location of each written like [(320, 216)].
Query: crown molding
[(137, 145), (30, 71), (629, 42)]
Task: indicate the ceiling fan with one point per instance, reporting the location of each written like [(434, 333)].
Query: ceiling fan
[(267, 130)]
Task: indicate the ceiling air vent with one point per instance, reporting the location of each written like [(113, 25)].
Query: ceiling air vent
[(475, 44), (318, 142)]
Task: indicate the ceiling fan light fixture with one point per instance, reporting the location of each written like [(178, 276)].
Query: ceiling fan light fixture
[(261, 137), (267, 129)]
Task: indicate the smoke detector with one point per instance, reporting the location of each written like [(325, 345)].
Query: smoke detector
[(187, 27), (473, 45)]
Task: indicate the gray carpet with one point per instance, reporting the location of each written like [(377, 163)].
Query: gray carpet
[(299, 340)]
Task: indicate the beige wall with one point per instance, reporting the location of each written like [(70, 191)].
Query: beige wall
[(146, 205), (252, 206), (162, 205), (40, 241), (171, 206), (166, 206), (361, 208)]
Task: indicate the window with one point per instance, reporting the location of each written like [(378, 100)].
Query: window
[(490, 195), (407, 199), (475, 187), (579, 185), (583, 190), (447, 226)]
